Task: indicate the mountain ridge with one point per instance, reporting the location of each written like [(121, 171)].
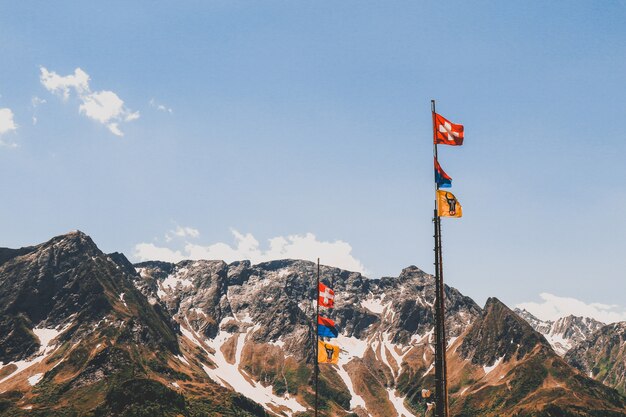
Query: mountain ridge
[(195, 332)]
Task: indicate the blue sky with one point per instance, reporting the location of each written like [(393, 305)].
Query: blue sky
[(274, 120)]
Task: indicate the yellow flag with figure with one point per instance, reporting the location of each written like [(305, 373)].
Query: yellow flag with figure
[(448, 205), (327, 353)]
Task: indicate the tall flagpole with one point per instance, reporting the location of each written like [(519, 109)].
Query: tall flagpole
[(317, 314), (441, 389)]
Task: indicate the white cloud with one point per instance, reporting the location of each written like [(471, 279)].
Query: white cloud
[(148, 251), (7, 124), (186, 232), (182, 232), (57, 84), (307, 247), (553, 307), (104, 106), (161, 107)]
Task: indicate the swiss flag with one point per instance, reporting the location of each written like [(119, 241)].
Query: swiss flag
[(446, 132), (326, 296)]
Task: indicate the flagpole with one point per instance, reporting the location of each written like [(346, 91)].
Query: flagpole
[(441, 389), (317, 314)]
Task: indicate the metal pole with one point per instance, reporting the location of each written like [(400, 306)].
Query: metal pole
[(317, 313), (444, 365), (441, 391)]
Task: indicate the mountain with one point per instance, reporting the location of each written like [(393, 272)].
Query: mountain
[(603, 356), (77, 338), (502, 366), (85, 333), (565, 332), (263, 314)]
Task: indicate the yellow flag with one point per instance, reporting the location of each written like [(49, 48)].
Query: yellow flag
[(448, 205), (327, 353)]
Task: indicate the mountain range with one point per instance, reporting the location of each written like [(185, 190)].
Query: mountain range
[(84, 333)]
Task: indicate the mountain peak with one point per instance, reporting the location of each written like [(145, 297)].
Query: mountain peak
[(499, 334), (74, 239), (411, 270), (493, 302)]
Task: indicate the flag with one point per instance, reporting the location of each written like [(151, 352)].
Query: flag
[(327, 353), (448, 205), (442, 179), (326, 296), (446, 132), (326, 327)]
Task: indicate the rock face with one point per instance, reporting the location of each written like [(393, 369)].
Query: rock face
[(85, 333), (603, 356), (564, 333)]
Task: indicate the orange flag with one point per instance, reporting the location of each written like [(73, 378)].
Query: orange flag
[(448, 205)]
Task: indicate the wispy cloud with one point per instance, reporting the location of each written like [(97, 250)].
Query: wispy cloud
[(36, 102), (552, 307), (161, 107), (246, 246), (7, 125), (104, 106), (182, 232)]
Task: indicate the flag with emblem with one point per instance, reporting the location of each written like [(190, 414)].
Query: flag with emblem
[(326, 296), (327, 353), (448, 205), (446, 132), (326, 327), (442, 179)]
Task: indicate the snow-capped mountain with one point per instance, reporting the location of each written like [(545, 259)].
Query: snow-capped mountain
[(85, 333), (564, 333)]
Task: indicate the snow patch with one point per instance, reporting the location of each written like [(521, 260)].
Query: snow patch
[(45, 336), (391, 348), (182, 359), (33, 380), (355, 400), (375, 305), (122, 299), (559, 343), (173, 281), (488, 369), (198, 311), (398, 403), (279, 343), (230, 375), (353, 348)]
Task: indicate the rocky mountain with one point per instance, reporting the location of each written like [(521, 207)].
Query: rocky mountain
[(565, 332), (77, 338), (603, 356), (504, 367), (85, 333)]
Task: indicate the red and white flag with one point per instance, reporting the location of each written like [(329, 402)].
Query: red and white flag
[(326, 296), (446, 132)]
